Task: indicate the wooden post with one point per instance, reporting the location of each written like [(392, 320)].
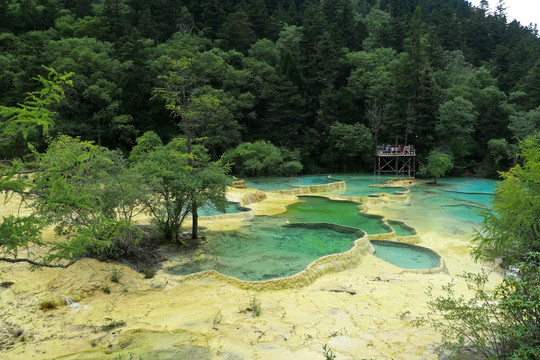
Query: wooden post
[(395, 163)]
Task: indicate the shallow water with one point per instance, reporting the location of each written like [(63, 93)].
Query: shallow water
[(450, 208), (455, 198), (285, 183), (267, 249), (211, 210), (359, 184), (405, 256), (401, 229), (313, 209)]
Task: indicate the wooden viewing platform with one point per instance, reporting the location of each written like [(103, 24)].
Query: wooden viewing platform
[(399, 163)]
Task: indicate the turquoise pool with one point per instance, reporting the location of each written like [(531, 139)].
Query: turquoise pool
[(315, 209), (269, 248), (211, 210), (405, 255), (286, 183)]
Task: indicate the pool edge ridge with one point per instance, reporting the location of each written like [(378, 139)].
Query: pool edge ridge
[(327, 264)]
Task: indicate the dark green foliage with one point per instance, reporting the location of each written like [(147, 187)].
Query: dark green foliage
[(177, 180), (530, 85), (236, 32), (351, 143), (455, 127), (438, 163), (524, 123), (282, 71), (262, 158)]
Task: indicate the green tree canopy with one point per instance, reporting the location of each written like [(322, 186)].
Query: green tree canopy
[(455, 126), (177, 181), (262, 158), (438, 164), (512, 227)]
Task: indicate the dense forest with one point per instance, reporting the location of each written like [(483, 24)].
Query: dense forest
[(315, 83), (114, 108)]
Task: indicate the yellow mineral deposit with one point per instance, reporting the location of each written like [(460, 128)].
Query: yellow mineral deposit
[(66, 314)]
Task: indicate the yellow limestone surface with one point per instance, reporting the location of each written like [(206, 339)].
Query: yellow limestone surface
[(206, 317)]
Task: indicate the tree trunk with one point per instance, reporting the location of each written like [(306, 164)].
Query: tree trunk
[(195, 221), (194, 215)]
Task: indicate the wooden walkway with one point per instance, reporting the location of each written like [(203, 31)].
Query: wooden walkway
[(399, 163)]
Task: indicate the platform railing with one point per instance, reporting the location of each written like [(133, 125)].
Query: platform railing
[(395, 153)]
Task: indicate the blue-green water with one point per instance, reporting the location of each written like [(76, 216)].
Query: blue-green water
[(456, 198), (405, 255), (285, 183), (211, 210), (267, 249), (401, 229), (314, 209), (359, 184)]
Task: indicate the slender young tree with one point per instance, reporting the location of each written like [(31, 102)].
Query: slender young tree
[(179, 92)]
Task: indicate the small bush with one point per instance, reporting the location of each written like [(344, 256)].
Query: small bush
[(148, 272), (328, 354), (255, 306), (119, 240), (115, 275), (106, 289), (503, 324)]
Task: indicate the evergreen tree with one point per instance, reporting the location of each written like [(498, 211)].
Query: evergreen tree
[(237, 33)]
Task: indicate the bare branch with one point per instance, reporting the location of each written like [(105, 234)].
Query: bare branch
[(36, 263)]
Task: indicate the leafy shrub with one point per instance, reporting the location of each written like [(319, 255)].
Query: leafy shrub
[(503, 324), (106, 239), (255, 306), (148, 272), (115, 275)]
